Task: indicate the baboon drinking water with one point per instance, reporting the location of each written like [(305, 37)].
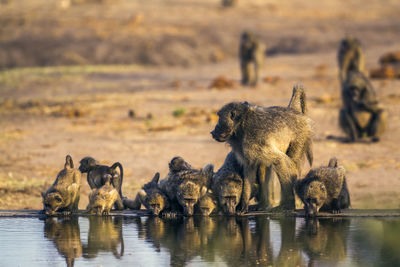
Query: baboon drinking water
[(361, 115), (63, 195), (350, 57), (324, 188), (96, 176), (263, 138), (102, 199), (251, 55)]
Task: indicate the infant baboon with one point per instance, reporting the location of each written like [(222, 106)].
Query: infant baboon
[(151, 197), (227, 184), (102, 199), (206, 204), (251, 56), (350, 57), (324, 188), (96, 176), (263, 138), (63, 195), (361, 114), (185, 186)]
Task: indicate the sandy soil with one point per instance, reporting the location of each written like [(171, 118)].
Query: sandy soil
[(49, 112)]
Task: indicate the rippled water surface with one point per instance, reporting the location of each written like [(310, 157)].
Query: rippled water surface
[(216, 241)]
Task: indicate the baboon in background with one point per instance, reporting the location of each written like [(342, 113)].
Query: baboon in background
[(263, 138), (63, 195), (361, 114), (186, 186), (96, 178), (227, 184), (150, 196), (350, 57), (229, 3), (102, 199), (251, 56), (324, 188)]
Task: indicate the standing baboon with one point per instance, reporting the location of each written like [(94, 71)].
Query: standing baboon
[(263, 138), (102, 199), (350, 57), (63, 195), (324, 188), (96, 176), (251, 56), (361, 115)]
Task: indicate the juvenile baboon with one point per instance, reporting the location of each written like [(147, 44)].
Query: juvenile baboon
[(102, 199), (150, 196), (185, 186), (63, 195), (96, 176), (206, 204), (263, 138), (350, 57), (227, 184), (251, 56), (324, 188), (361, 114)]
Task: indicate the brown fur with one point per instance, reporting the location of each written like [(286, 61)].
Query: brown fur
[(96, 174), (102, 199), (324, 188), (63, 195), (361, 115), (251, 55), (207, 204), (264, 138), (350, 57)]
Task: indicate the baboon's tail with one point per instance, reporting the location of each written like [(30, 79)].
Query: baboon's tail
[(309, 151), (121, 170), (298, 100)]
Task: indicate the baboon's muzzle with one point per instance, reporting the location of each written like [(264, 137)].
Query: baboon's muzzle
[(220, 136)]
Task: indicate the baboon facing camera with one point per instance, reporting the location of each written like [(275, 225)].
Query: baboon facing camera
[(263, 138), (361, 115), (251, 55)]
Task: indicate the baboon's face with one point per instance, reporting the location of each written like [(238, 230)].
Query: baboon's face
[(315, 197), (86, 164), (229, 197), (155, 203), (229, 118), (247, 39), (179, 164), (188, 194), (52, 202), (206, 205)]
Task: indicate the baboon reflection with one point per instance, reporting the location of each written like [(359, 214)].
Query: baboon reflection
[(65, 234), (105, 234)]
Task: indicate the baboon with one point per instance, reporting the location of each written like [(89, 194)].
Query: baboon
[(206, 204), (150, 196), (361, 115), (102, 199), (324, 188), (96, 178), (228, 3), (264, 138), (350, 57), (251, 56), (185, 186), (63, 195), (227, 184)]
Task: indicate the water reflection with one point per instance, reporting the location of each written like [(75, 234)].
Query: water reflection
[(235, 241)]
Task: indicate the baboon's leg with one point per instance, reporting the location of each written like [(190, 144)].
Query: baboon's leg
[(245, 73), (132, 204), (251, 73), (264, 194), (286, 170), (250, 174), (254, 77), (348, 125), (118, 205), (378, 124)]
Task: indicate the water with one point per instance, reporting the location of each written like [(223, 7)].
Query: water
[(197, 241)]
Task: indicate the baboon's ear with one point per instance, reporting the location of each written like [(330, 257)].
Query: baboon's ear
[(156, 178)]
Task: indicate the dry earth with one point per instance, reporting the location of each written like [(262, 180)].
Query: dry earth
[(48, 112)]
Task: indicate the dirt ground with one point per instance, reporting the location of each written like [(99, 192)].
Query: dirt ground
[(48, 112)]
